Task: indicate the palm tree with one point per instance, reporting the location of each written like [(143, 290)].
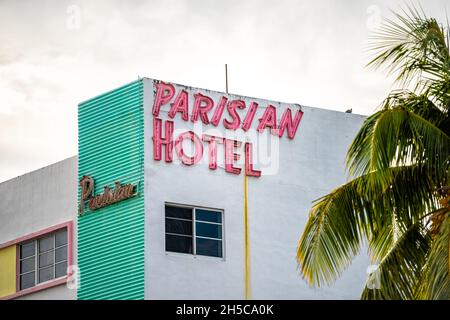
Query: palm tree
[(396, 202)]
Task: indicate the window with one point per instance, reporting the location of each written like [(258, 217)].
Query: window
[(194, 230), (43, 259)]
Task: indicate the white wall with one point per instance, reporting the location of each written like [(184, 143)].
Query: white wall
[(36, 201), (309, 166)]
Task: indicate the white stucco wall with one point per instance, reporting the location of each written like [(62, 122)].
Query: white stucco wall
[(36, 201), (304, 169)]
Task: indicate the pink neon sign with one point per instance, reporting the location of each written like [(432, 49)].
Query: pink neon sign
[(205, 110)]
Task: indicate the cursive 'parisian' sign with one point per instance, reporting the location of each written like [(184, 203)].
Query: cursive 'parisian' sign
[(109, 196)]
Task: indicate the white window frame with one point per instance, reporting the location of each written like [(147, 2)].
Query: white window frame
[(194, 233)]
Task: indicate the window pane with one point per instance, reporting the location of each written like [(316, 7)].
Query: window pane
[(46, 244), (45, 274), (61, 254), (46, 259), (178, 243), (208, 230), (60, 269), (61, 238), (208, 215), (27, 280), (178, 226), (207, 247), (175, 212), (27, 265), (27, 250)]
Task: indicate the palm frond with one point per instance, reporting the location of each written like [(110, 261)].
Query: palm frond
[(435, 283), (332, 236), (397, 136), (411, 45), (421, 105), (340, 221), (399, 164), (399, 271)]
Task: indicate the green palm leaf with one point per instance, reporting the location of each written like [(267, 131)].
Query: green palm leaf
[(397, 136), (399, 271), (399, 164), (435, 283), (414, 47), (339, 221)]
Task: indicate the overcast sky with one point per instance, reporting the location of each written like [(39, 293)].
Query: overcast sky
[(55, 54)]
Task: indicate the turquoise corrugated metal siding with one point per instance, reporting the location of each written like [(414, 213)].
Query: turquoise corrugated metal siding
[(111, 239)]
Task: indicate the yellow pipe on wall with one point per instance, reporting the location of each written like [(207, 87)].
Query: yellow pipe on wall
[(247, 286)]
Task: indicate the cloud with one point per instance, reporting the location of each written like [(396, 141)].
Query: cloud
[(54, 54)]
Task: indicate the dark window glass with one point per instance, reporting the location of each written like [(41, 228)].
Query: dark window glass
[(27, 250), (180, 233), (208, 230), (60, 269), (61, 254), (46, 259), (27, 280), (46, 244), (178, 243), (207, 247), (49, 262), (45, 274), (27, 265), (178, 226), (61, 238), (176, 212), (208, 215)]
